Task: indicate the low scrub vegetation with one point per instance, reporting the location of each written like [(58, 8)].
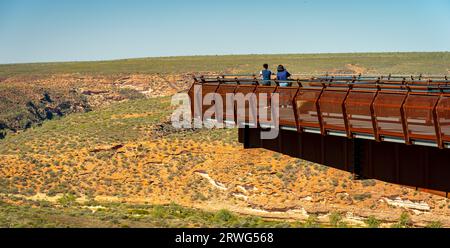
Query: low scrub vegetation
[(44, 214)]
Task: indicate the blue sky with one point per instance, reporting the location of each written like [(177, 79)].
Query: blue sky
[(52, 30)]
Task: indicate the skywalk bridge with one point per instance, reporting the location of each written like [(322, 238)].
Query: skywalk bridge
[(393, 128)]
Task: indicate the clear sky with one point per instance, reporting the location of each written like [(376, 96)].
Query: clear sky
[(64, 30)]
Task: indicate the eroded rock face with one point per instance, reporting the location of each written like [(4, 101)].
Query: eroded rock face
[(2, 130), (25, 101), (21, 108)]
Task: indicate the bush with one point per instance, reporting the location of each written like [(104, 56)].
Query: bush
[(434, 224), (362, 197), (372, 222), (67, 200), (262, 168), (252, 221), (224, 216), (138, 211), (334, 182), (312, 221), (131, 94), (197, 196), (158, 212), (336, 220), (403, 222), (368, 182)]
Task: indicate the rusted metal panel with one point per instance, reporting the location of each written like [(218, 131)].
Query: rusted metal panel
[(359, 112), (198, 107), (306, 102), (249, 109), (226, 92), (264, 96), (388, 112), (286, 110), (443, 116), (419, 116), (331, 109), (194, 103), (208, 109)]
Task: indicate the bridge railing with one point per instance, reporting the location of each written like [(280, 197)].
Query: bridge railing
[(411, 110)]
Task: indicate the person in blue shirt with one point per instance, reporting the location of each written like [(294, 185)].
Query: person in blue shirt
[(265, 75), (283, 75)]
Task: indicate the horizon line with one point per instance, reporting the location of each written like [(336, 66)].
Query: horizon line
[(208, 55)]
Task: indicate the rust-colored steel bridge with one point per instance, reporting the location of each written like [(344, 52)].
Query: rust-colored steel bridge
[(391, 128)]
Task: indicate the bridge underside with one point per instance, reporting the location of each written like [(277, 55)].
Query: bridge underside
[(420, 167)]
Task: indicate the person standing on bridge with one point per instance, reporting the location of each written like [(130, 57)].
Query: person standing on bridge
[(265, 75), (283, 75)]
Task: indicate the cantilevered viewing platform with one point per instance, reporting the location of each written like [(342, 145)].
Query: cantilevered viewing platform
[(394, 128)]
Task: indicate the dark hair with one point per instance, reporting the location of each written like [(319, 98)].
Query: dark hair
[(280, 68), (266, 66)]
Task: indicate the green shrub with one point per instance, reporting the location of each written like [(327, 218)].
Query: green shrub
[(138, 211), (336, 219), (368, 182), (334, 182), (67, 200), (403, 222), (158, 212), (224, 216), (131, 94), (197, 196), (362, 197), (263, 167), (312, 221), (434, 224), (372, 222)]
